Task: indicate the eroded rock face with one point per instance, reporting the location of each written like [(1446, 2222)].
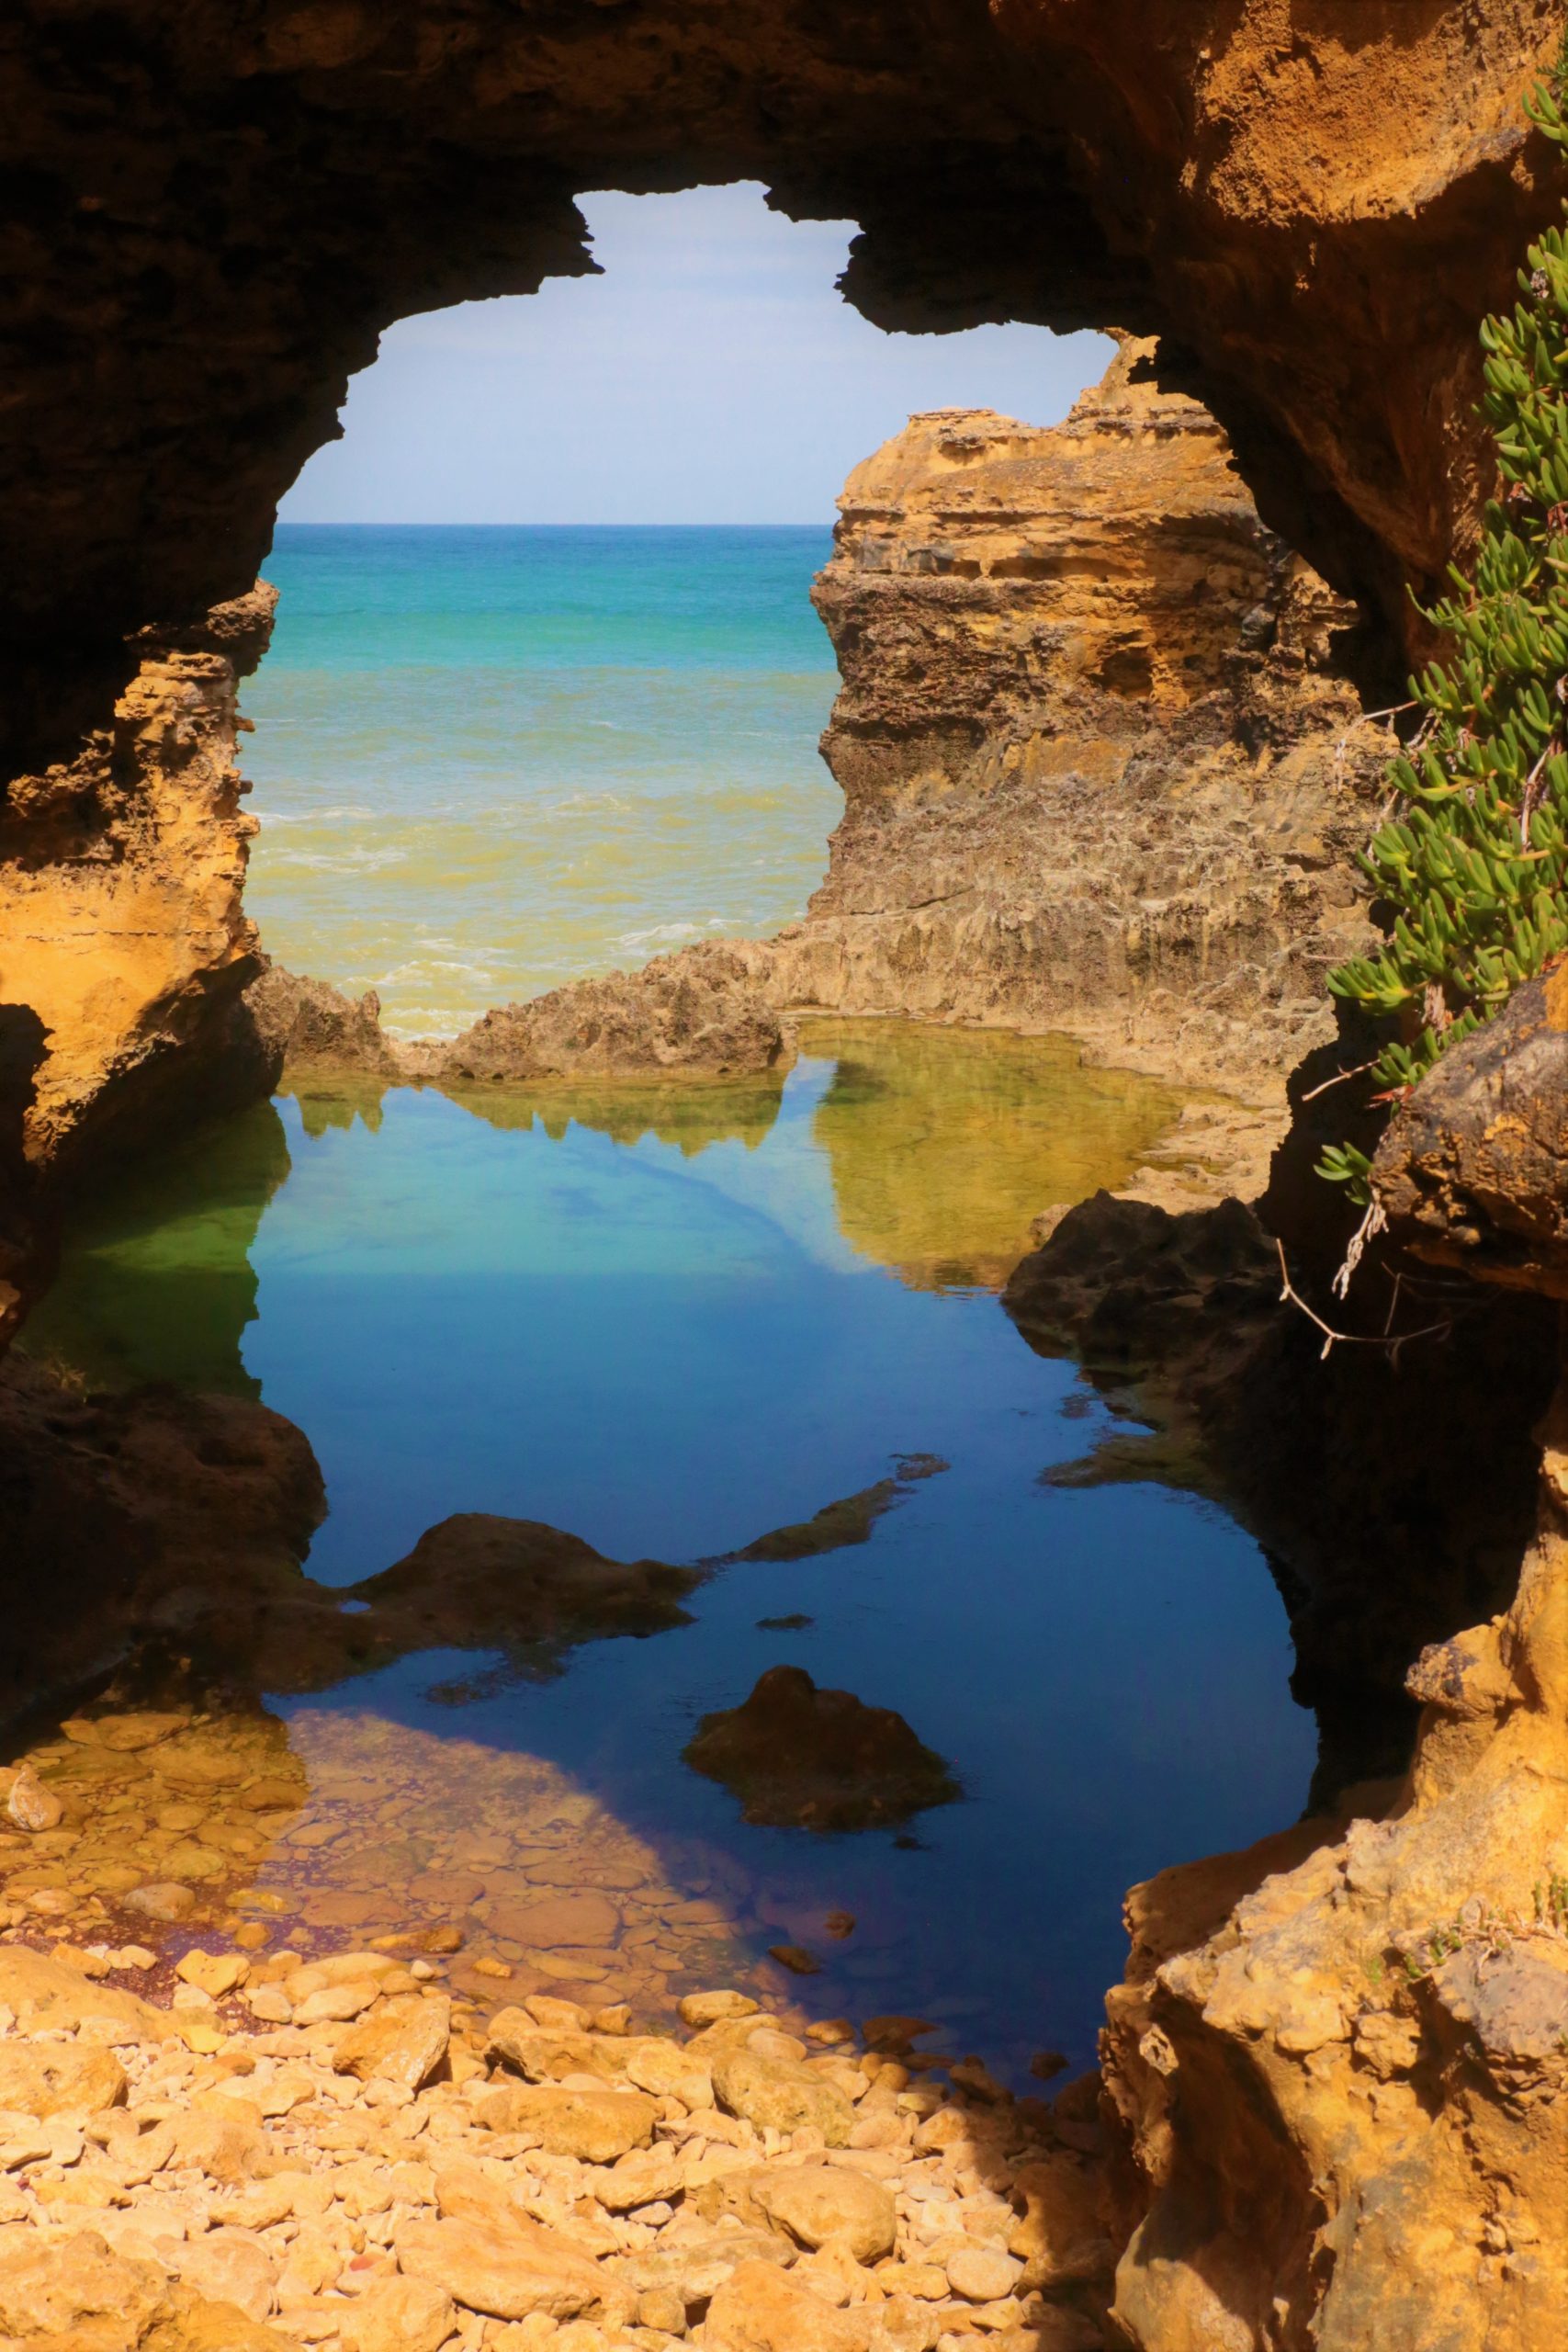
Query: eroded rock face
[(1321, 214), (121, 868), (304, 1026), (1103, 764), (817, 1759), (1472, 1169), (1323, 207), (700, 1012), (1344, 2089)]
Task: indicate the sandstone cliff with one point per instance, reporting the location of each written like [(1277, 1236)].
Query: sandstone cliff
[(1104, 767), (122, 870)]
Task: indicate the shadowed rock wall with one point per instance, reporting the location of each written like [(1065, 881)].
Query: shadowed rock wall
[(121, 871)]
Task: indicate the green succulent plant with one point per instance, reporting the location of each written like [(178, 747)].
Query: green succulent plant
[(1473, 863)]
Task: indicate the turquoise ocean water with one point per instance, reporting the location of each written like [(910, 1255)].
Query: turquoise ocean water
[(488, 760)]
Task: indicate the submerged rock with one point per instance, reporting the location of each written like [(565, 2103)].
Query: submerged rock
[(839, 1524), (818, 1760)]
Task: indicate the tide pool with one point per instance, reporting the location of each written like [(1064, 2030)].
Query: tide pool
[(669, 1322)]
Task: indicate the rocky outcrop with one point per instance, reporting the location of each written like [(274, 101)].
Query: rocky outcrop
[(1344, 2089), (700, 1012), (121, 867), (797, 1756), (307, 1026), (1338, 2059), (1315, 214), (1472, 1170), (1104, 766), (164, 1535)]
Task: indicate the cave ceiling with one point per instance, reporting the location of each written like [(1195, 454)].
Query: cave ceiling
[(211, 209)]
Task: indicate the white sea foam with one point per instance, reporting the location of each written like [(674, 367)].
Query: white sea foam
[(347, 816), (659, 935)]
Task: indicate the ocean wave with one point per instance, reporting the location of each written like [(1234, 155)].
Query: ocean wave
[(348, 815), (660, 934), (352, 860)]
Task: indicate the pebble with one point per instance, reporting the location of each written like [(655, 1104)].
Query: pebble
[(368, 2141)]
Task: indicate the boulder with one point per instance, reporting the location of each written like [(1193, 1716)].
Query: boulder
[(761, 2309), (400, 2315), (815, 2203), (403, 2040), (49, 1995), (509, 2270), (781, 2094), (807, 1759), (596, 2127)]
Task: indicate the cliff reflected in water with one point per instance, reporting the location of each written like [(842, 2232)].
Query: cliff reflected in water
[(940, 1146), (155, 1282), (945, 1144)]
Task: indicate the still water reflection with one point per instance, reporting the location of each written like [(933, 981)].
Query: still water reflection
[(671, 1323)]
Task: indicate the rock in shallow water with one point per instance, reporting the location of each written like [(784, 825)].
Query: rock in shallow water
[(699, 1012), (799, 1757)]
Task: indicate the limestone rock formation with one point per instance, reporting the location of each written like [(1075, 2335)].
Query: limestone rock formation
[(1103, 764), (1322, 204), (303, 1025), (1472, 1169), (818, 1760), (700, 1012), (121, 868), (1344, 2088)]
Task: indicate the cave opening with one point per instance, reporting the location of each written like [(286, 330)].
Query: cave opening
[(545, 688), (740, 1330)]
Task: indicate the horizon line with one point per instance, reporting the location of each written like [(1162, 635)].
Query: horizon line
[(387, 523)]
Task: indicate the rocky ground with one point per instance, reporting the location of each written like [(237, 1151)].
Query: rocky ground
[(212, 2139)]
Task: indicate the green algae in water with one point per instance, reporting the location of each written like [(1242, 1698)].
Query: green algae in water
[(156, 1282), (946, 1143), (940, 1146)]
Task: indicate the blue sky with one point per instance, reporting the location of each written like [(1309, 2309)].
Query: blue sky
[(712, 374)]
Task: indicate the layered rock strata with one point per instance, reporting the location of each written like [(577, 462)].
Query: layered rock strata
[(121, 868), (1104, 765)]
